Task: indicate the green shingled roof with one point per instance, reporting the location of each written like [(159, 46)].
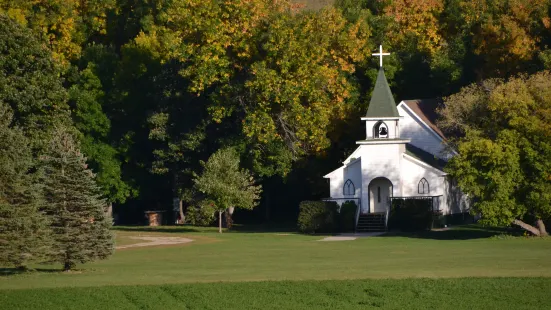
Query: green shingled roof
[(382, 103)]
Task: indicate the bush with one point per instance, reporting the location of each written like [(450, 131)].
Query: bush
[(317, 216), (203, 215), (411, 214), (347, 216)]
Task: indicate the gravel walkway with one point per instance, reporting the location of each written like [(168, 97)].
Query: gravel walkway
[(152, 241)]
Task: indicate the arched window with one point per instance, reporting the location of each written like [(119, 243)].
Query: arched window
[(380, 130), (423, 187), (349, 189)]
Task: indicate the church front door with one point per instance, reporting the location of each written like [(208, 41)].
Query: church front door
[(380, 191)]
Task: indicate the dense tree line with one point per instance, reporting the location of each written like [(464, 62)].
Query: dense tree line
[(152, 88)]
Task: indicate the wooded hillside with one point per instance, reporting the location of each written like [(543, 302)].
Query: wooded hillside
[(154, 88)]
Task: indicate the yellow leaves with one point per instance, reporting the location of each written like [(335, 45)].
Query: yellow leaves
[(418, 18), (504, 43), (546, 22), (505, 33), (65, 24), (291, 69)]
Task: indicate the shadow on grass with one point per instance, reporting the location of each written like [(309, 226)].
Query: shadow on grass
[(466, 232), (17, 271), (265, 228), (237, 228)]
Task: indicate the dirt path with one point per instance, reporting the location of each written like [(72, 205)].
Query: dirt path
[(152, 241)]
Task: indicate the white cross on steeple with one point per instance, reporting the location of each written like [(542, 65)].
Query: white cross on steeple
[(381, 54)]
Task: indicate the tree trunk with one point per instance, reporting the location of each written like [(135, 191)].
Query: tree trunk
[(541, 228), (530, 228), (109, 211), (267, 214), (229, 219), (181, 207), (220, 221), (67, 266)]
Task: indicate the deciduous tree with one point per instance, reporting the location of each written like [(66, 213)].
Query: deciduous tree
[(226, 184), (504, 161), (65, 25), (30, 82), (282, 75)]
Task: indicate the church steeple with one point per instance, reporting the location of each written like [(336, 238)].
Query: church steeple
[(382, 117), (382, 102)]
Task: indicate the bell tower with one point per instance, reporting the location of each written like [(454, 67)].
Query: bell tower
[(382, 118)]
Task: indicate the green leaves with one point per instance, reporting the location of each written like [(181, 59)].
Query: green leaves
[(504, 155), (285, 76), (30, 83), (226, 184)]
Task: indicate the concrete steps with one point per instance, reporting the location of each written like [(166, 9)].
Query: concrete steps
[(371, 222)]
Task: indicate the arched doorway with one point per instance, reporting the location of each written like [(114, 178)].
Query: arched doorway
[(380, 191)]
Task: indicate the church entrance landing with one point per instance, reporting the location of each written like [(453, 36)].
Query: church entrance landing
[(380, 191)]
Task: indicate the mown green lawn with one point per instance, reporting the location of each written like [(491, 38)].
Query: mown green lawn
[(393, 265), (477, 293)]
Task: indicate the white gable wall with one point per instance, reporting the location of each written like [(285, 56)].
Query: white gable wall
[(420, 134), (380, 160), (454, 198), (353, 172), (338, 177), (413, 172), (336, 182)]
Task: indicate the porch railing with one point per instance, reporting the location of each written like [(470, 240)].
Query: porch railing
[(435, 201)]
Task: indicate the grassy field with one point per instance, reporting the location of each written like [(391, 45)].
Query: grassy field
[(479, 293), (393, 264)]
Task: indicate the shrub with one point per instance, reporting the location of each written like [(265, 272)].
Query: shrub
[(347, 216), (317, 216), (411, 214), (202, 215)]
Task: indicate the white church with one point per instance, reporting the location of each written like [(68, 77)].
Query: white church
[(402, 156)]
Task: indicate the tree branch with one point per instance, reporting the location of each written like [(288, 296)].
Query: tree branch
[(527, 227)]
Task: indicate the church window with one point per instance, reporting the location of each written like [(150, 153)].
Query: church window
[(423, 187), (349, 189), (378, 194), (380, 130)]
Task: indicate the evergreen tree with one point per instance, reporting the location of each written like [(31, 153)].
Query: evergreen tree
[(24, 232), (81, 229)]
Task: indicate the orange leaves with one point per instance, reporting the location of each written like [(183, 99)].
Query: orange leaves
[(504, 39), (505, 33), (546, 21), (418, 18)]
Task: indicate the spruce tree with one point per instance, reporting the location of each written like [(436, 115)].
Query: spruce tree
[(81, 229), (24, 232)]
